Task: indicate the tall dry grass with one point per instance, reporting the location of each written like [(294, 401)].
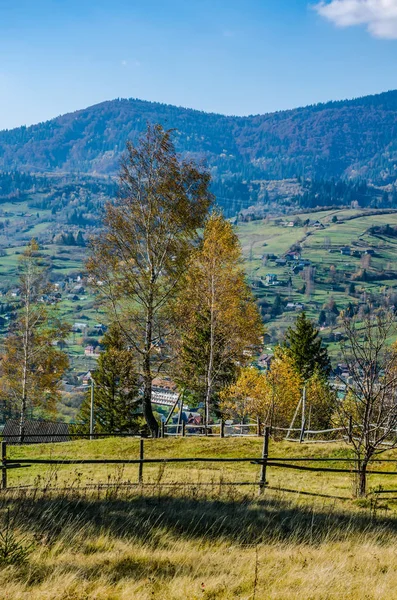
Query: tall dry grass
[(190, 543)]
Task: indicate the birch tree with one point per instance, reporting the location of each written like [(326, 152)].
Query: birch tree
[(141, 255), (218, 321), (32, 365)]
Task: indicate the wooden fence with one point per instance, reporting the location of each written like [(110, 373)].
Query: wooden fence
[(264, 461), (37, 432)]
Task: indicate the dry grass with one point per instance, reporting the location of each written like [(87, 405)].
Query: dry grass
[(188, 547), (188, 542)]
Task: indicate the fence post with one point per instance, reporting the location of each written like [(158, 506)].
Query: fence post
[(162, 429), (222, 429), (3, 462), (258, 427), (92, 411), (265, 452), (302, 434), (350, 430), (183, 428), (141, 455)]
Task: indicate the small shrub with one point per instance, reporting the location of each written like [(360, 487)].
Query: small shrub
[(14, 549)]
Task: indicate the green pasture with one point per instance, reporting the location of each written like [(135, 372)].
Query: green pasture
[(330, 484), (322, 247)]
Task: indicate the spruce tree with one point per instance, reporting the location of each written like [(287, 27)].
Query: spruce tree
[(116, 401), (80, 239), (191, 366), (277, 308), (304, 345)]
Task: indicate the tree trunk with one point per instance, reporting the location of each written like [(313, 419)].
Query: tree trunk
[(361, 488), (147, 379), (22, 416), (210, 361), (208, 399)]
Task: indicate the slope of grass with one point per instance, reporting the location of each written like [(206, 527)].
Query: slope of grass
[(333, 270), (334, 485)]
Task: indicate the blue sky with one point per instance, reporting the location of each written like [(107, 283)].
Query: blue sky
[(230, 56)]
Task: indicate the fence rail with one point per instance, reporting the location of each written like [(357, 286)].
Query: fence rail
[(264, 462), (221, 429)]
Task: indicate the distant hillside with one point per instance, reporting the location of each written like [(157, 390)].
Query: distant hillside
[(353, 138)]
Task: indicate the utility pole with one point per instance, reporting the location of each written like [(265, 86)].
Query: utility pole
[(303, 424), (92, 411), (303, 407)]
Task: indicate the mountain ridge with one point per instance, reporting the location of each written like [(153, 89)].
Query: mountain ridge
[(354, 138), (326, 104)]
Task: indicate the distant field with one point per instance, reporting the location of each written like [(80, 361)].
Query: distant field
[(319, 246), (322, 248)]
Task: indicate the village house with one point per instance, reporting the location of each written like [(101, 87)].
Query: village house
[(345, 250), (92, 351), (79, 327), (78, 289), (271, 279), (317, 224), (86, 379), (290, 256), (280, 262), (264, 361), (164, 391)]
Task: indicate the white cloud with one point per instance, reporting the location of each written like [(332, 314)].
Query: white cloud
[(124, 63), (380, 16)]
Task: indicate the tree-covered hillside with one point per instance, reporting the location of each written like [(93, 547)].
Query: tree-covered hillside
[(354, 138)]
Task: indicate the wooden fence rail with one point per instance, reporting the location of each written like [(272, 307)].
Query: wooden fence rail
[(265, 461), (220, 429)]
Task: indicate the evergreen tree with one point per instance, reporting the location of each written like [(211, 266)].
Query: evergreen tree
[(116, 398), (350, 310), (277, 307), (80, 239), (191, 366), (304, 346), (352, 288)]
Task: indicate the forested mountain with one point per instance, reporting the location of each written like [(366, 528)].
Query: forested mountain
[(354, 139)]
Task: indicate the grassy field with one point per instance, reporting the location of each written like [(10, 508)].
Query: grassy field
[(322, 248), (188, 542), (187, 474), (319, 246)]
